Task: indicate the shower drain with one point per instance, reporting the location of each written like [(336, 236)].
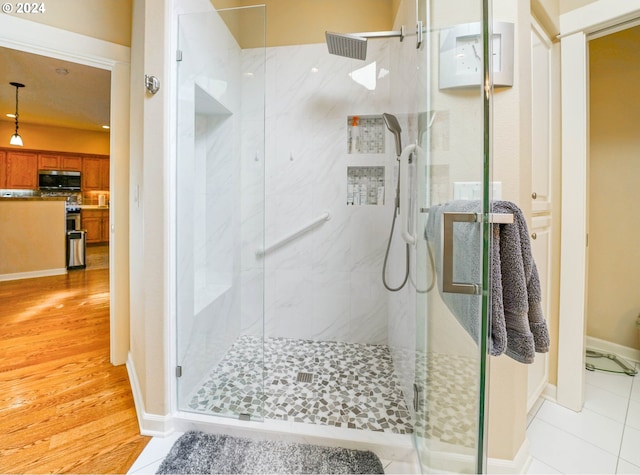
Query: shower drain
[(304, 377)]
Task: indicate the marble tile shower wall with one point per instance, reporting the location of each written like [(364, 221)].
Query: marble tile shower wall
[(208, 196), (325, 285), (252, 153)]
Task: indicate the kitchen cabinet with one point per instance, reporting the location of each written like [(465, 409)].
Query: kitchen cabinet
[(95, 173), (53, 161), (3, 169), (22, 170), (96, 223)]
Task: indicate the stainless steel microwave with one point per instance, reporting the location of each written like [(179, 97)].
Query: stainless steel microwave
[(59, 180)]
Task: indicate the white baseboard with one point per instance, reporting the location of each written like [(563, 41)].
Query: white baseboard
[(519, 464), (449, 461), (152, 425), (551, 392), (608, 347), (33, 274)]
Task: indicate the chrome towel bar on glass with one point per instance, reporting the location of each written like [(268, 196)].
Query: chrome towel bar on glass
[(448, 285)]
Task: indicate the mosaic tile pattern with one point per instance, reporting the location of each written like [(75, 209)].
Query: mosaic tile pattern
[(371, 134), (353, 385), (447, 410), (365, 185)]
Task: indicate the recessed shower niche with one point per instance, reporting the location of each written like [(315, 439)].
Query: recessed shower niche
[(365, 134), (365, 185), (213, 171)]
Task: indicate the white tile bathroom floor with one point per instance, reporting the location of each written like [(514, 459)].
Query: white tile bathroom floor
[(603, 438)]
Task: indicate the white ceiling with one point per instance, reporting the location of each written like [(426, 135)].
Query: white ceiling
[(78, 100)]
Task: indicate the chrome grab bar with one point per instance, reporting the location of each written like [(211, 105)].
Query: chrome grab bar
[(291, 236)]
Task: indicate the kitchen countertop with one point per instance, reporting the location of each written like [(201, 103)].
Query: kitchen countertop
[(33, 198), (93, 207)]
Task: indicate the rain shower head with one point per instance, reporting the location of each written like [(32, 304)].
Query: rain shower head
[(391, 121), (347, 45), (354, 45)]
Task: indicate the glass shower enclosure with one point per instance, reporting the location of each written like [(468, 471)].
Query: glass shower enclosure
[(286, 189), (220, 210)]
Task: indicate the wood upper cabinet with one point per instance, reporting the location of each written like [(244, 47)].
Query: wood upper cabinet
[(22, 170), (19, 168), (47, 161), (53, 161), (95, 173), (71, 163)]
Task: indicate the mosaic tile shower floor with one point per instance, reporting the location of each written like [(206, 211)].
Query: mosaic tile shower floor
[(351, 385), (447, 411)]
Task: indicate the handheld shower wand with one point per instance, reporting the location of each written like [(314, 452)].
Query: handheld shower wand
[(391, 121)]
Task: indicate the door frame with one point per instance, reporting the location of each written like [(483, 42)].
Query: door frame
[(32, 37), (577, 28)]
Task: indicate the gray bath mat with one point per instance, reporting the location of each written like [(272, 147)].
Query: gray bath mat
[(198, 452)]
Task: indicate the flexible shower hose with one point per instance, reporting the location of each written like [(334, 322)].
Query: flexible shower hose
[(386, 254), (407, 255)]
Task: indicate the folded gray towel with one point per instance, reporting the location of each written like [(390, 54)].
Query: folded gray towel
[(517, 324), (527, 331)]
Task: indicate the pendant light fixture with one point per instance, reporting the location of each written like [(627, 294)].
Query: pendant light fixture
[(15, 138)]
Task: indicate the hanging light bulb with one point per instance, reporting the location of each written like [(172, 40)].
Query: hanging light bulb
[(15, 138)]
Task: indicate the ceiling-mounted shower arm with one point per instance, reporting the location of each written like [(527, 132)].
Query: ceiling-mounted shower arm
[(382, 34)]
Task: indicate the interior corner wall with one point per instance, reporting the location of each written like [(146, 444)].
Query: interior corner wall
[(149, 257), (613, 251), (512, 166), (135, 213)]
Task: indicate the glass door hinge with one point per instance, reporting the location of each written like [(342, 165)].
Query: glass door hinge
[(179, 55), (178, 371)]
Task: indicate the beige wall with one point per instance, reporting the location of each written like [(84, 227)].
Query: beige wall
[(547, 12), (293, 22), (33, 236), (108, 20), (568, 5), (59, 139), (613, 300)]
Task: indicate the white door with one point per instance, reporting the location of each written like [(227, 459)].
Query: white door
[(540, 226)]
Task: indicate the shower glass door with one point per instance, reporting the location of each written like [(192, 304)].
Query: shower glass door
[(452, 173), (220, 212)]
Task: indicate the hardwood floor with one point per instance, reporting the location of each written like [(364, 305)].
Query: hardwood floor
[(63, 407)]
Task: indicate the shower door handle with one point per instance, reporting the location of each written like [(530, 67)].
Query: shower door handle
[(448, 285)]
